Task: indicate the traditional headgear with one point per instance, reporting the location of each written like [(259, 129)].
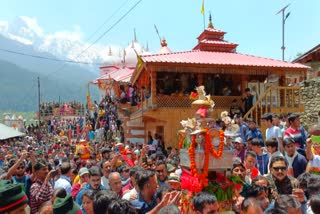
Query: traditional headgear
[(11, 196), (65, 205)]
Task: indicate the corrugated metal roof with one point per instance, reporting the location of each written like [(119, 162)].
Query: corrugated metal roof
[(218, 58)]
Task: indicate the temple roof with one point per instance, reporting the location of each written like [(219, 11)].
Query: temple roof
[(218, 58)]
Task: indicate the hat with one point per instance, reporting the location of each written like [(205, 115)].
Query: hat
[(238, 140), (287, 141), (173, 177), (65, 205), (249, 137), (105, 149), (83, 171), (11, 196), (267, 116), (170, 167)]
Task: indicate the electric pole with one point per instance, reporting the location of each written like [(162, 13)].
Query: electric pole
[(284, 18)]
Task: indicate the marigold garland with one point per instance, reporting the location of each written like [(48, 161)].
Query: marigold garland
[(208, 149), (181, 140)]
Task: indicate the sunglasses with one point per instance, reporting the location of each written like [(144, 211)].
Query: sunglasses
[(159, 171), (126, 170), (283, 168)]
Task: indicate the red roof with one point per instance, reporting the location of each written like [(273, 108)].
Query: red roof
[(218, 58), (222, 42)]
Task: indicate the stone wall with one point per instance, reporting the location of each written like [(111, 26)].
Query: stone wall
[(310, 91)]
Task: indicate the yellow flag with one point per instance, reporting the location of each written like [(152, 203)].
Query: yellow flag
[(202, 8)]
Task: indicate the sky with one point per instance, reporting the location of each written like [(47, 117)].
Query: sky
[(253, 24)]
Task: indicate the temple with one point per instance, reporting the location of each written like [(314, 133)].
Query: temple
[(169, 78)]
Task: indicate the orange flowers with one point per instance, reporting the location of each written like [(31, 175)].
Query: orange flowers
[(208, 149), (181, 140)]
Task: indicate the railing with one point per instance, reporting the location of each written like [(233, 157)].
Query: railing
[(176, 101), (276, 99)]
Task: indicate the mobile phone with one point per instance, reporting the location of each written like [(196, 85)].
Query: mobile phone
[(144, 160), (117, 150), (30, 148)]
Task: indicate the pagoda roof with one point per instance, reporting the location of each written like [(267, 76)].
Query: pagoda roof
[(121, 75), (199, 57)]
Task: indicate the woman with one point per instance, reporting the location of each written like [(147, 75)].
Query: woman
[(87, 202), (41, 190)]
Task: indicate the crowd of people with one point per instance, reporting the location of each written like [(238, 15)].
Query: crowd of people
[(42, 173), (62, 109)]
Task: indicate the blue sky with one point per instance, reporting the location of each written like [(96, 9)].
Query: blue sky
[(250, 23)]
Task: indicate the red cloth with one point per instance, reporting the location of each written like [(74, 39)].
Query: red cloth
[(254, 173), (127, 187)]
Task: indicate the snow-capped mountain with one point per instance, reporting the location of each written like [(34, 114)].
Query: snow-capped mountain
[(63, 44)]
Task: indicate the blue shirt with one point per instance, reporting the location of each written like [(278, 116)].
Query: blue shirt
[(262, 163), (26, 181), (142, 206)]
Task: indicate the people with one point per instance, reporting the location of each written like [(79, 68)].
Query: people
[(205, 203)]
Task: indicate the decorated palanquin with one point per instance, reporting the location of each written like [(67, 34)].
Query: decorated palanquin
[(83, 149), (204, 157)]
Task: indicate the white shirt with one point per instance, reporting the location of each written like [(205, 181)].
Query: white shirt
[(274, 132), (64, 182), (105, 182)]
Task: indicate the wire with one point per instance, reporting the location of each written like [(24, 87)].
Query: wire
[(46, 58), (103, 34)]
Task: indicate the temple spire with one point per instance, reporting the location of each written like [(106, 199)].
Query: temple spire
[(134, 35), (210, 25), (147, 48), (110, 51)]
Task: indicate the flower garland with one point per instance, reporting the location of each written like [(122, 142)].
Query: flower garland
[(214, 153), (181, 140), (208, 149)]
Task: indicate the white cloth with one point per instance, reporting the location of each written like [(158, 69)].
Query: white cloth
[(315, 162), (291, 159), (105, 182), (129, 193)]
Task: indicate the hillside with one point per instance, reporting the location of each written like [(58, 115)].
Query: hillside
[(19, 89)]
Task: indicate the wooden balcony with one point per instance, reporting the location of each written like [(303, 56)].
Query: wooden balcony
[(276, 99)]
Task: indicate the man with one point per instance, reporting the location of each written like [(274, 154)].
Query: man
[(296, 132), (249, 163), (259, 193), (262, 156), (106, 169), (102, 199), (64, 181), (272, 131), (124, 173), (205, 203), (254, 132), (162, 173), (248, 100), (250, 206), (279, 180), (297, 163), (115, 183), (147, 200), (94, 183), (131, 184), (132, 193), (84, 178), (235, 109), (243, 128), (19, 172), (240, 150)]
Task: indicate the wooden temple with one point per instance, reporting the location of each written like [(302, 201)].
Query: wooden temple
[(213, 62)]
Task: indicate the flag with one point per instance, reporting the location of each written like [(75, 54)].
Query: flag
[(202, 8)]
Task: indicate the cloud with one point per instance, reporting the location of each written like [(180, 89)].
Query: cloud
[(32, 24)]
